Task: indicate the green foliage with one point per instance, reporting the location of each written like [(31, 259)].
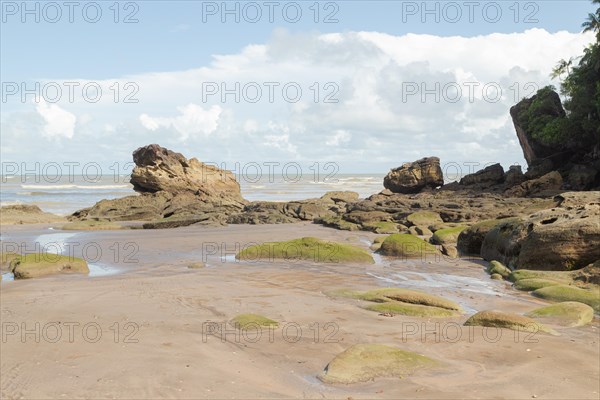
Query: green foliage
[(581, 89)]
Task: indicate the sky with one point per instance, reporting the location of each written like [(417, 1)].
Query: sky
[(366, 85)]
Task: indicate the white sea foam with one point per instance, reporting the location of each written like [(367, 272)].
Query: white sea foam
[(72, 186)]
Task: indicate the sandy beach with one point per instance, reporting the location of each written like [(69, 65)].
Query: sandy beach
[(154, 328)]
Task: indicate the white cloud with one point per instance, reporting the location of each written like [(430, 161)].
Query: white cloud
[(58, 122), (193, 120), (339, 138), (373, 122)]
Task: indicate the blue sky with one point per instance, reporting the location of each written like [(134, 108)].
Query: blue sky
[(369, 53)]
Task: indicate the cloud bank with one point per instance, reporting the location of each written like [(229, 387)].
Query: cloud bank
[(366, 100)]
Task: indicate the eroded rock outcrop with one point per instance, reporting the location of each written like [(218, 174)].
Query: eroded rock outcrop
[(489, 176), (416, 176), (561, 238), (174, 191)]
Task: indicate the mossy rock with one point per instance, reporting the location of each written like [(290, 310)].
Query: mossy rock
[(196, 265), (569, 313), (559, 276), (407, 246), (497, 319), (424, 218), (447, 235), (91, 226), (496, 277), (470, 240), (41, 264), (364, 362), (307, 248), (420, 231), (562, 293), (406, 296), (404, 302), (383, 227), (531, 284), (250, 321), (496, 267), (411, 310)]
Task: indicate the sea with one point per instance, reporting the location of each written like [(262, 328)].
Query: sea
[(65, 195)]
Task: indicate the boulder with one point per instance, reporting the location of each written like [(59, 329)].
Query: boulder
[(547, 106), (497, 319), (158, 169), (561, 238), (470, 239), (569, 314), (514, 176), (561, 293), (307, 248), (174, 191), (503, 242), (408, 246), (416, 176), (42, 264), (365, 362), (544, 185), (489, 176)]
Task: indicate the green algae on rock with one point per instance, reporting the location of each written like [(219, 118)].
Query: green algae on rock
[(496, 267), (447, 235), (497, 319), (399, 301), (250, 321), (412, 310), (41, 264), (558, 276), (569, 313), (407, 246), (531, 284), (307, 248), (424, 218), (562, 293), (364, 362), (406, 296)]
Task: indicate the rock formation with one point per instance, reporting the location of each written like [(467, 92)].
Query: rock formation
[(577, 161), (158, 169), (416, 176), (174, 191), (489, 176), (565, 237), (533, 149)]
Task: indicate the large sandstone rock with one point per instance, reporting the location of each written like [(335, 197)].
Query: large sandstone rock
[(551, 108), (159, 169), (547, 184), (560, 238), (470, 240), (489, 176), (416, 176), (174, 191)]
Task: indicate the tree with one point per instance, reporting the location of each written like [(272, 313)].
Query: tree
[(581, 89)]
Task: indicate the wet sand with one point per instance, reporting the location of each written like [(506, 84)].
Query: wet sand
[(153, 328)]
